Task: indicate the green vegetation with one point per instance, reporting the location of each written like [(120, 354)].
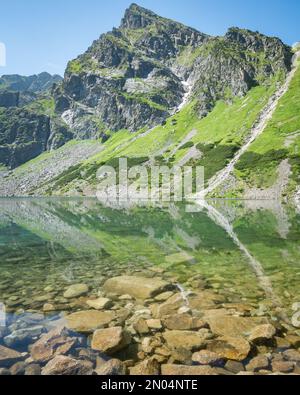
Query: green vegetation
[(188, 55), (189, 144), (280, 140), (44, 106), (75, 67), (144, 100), (215, 158)]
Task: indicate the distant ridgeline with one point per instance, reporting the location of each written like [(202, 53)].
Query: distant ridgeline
[(158, 89)]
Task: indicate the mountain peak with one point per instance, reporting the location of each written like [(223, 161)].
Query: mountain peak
[(137, 17)]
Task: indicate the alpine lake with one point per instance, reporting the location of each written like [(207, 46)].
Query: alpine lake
[(210, 288)]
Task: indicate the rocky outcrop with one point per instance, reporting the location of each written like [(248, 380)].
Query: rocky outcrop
[(23, 136)]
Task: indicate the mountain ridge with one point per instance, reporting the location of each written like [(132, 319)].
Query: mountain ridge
[(154, 81)]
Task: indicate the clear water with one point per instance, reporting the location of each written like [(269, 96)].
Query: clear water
[(246, 251)]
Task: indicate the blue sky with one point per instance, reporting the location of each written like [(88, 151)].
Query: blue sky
[(44, 35)]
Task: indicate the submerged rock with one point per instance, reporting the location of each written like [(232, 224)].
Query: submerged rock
[(56, 342), (149, 367), (183, 322), (258, 363), (18, 369), (137, 287), (88, 321), (22, 337), (261, 334), (4, 372), (66, 366), (186, 339), (233, 348), (8, 357), (226, 325), (111, 340), (33, 370), (182, 370), (76, 290), (99, 304), (205, 357), (114, 367)]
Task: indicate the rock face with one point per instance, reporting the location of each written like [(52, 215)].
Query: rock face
[(23, 136), (89, 321), (137, 287), (111, 340)]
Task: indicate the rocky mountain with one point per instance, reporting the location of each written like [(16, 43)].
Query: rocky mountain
[(155, 88), (34, 83), (139, 74)]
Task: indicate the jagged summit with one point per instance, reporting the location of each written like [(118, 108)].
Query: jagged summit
[(137, 17)]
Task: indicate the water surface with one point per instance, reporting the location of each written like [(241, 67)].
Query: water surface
[(246, 251)]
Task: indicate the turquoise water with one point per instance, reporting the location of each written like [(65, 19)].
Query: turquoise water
[(246, 251)]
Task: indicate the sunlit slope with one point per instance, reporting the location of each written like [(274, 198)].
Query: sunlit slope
[(216, 138)]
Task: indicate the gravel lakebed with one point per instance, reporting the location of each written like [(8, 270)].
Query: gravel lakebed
[(146, 324)]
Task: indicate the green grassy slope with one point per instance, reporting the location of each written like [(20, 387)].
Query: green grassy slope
[(217, 136), (280, 140)]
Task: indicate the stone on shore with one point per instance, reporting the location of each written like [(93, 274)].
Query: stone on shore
[(110, 340), (76, 290), (137, 287), (66, 366), (89, 320)]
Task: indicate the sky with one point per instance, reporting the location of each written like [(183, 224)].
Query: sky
[(45, 35)]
